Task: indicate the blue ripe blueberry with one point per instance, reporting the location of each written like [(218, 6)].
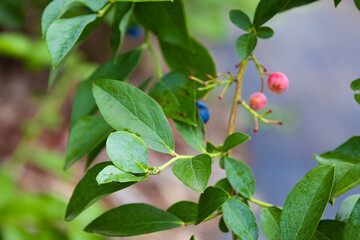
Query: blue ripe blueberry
[(134, 31), (204, 111)]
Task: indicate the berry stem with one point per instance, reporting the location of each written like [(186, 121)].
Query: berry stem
[(104, 10), (237, 96), (261, 203), (154, 55), (260, 70), (257, 115)]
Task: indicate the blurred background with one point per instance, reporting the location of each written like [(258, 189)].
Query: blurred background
[(316, 46)]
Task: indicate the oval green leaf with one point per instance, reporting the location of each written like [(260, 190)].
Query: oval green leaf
[(127, 151), (194, 172), (133, 219), (270, 222), (88, 191), (126, 107), (113, 174), (224, 184), (347, 152), (241, 20), (63, 34), (185, 210), (57, 8), (245, 45), (119, 69), (352, 227), (209, 201), (306, 203), (264, 32), (193, 135), (240, 219), (175, 93), (346, 207), (240, 177), (234, 140), (87, 134), (222, 226), (332, 229)]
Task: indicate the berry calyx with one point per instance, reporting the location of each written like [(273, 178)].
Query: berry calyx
[(258, 101), (278, 82)]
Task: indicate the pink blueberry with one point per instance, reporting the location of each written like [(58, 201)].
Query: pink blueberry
[(258, 101), (277, 83)]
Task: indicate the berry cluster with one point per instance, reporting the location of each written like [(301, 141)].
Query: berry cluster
[(277, 83)]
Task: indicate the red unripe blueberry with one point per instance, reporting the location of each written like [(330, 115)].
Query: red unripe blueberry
[(258, 101), (278, 82)]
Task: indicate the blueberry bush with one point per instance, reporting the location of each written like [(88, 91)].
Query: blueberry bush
[(109, 112)]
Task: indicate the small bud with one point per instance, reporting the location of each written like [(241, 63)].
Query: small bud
[(191, 77), (270, 110), (220, 97), (255, 130), (280, 123), (204, 83), (208, 76), (229, 72)]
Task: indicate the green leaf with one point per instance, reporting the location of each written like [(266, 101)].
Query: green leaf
[(224, 184), (192, 237), (63, 34), (126, 107), (352, 227), (88, 191), (270, 222), (113, 174), (347, 152), (128, 152), (234, 140), (332, 229), (345, 179), (194, 172), (175, 93), (241, 20), (346, 207), (266, 9), (211, 148), (209, 201), (355, 85), (240, 177), (123, 12), (222, 226), (336, 2), (319, 236), (185, 210), (166, 20), (197, 60), (94, 153), (264, 32), (57, 8), (240, 219), (84, 103), (87, 134), (143, 0), (133, 219), (193, 135), (245, 45), (306, 203), (357, 4), (357, 97), (296, 3)]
